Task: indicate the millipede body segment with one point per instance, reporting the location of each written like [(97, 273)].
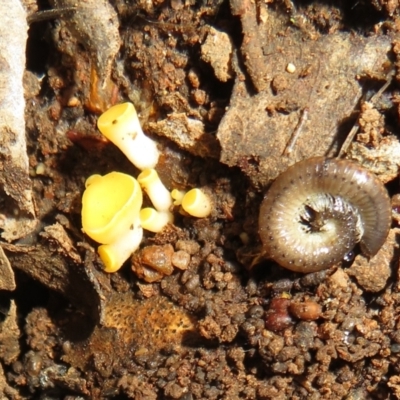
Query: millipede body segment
[(318, 210)]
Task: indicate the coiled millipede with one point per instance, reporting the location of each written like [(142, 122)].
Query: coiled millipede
[(318, 210)]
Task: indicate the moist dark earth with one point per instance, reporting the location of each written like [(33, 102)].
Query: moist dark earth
[(220, 86)]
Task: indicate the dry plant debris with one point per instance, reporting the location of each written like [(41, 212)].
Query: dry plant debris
[(221, 86)]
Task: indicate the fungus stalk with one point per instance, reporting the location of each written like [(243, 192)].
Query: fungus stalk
[(155, 189), (120, 124), (155, 221)]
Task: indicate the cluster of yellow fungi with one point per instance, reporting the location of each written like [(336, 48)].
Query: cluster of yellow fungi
[(112, 212)]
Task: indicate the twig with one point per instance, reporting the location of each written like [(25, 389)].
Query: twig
[(296, 133), (46, 15), (350, 137)]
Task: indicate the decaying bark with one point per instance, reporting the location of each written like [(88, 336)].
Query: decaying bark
[(289, 73), (17, 214), (7, 281)]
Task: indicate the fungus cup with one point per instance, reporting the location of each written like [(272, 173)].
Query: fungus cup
[(115, 254), (120, 124), (110, 216), (196, 203), (155, 221), (177, 196)]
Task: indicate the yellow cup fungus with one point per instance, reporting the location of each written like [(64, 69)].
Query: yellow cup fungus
[(120, 124), (177, 196), (196, 203), (158, 193), (110, 216), (153, 220), (111, 204)]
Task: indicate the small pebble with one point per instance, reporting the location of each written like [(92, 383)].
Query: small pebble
[(40, 169), (291, 68), (307, 310), (199, 96), (180, 259), (189, 246), (192, 283), (277, 318), (73, 102), (153, 262)]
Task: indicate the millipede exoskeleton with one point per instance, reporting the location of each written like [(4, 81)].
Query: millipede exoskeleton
[(318, 210)]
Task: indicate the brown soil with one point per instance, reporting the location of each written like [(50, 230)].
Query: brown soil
[(221, 86)]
